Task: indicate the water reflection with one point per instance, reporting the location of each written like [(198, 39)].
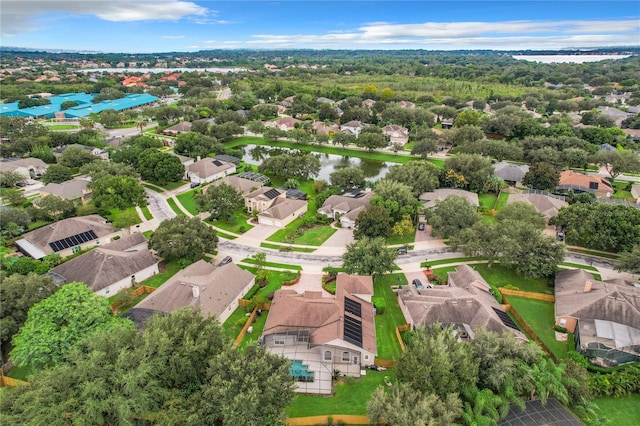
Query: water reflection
[(372, 169)]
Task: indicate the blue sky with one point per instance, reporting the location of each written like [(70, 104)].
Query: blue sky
[(180, 25)]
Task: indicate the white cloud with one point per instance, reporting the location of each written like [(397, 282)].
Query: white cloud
[(466, 35), (19, 16), (173, 37)]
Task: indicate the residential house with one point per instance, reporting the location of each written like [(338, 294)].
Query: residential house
[(546, 204), (465, 303), (322, 100), (112, 267), (282, 211), (347, 207), (577, 182), (603, 315), (618, 116), (369, 103), (447, 123), (67, 236), (76, 190), (406, 104), (396, 134), (98, 152), (511, 173), (243, 186), (284, 123), (634, 134), (215, 290), (635, 192), (27, 167), (262, 198), (179, 128), (208, 170), (432, 198), (607, 147), (323, 334), (321, 128), (354, 127), (227, 158)]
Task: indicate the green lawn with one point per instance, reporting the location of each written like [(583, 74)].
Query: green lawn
[(577, 265), (594, 252), (274, 279), (295, 233), (623, 411), (387, 341), (502, 201), (62, 127), (239, 225), (114, 214), (397, 239), (169, 186), (146, 213), (225, 235), (188, 202), (347, 399), (433, 263), (621, 192), (287, 248), (273, 264), (487, 200), (170, 269), (147, 234), (540, 316), (175, 207), (500, 276), (152, 187), (258, 327), (232, 326)]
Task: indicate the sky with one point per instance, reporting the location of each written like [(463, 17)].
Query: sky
[(144, 26)]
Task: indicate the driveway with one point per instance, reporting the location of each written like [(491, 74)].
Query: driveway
[(340, 238), (259, 232), (424, 235), (419, 275), (158, 206)]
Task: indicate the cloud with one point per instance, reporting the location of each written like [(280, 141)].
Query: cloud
[(466, 35), (19, 16), (173, 37)]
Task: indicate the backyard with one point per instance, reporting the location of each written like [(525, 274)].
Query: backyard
[(621, 411), (386, 323)]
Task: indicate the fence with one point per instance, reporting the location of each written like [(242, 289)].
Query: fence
[(529, 331), (10, 381), (137, 292), (323, 420), (527, 294)]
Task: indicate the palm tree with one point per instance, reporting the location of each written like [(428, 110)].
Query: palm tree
[(486, 409), (546, 379), (140, 125)]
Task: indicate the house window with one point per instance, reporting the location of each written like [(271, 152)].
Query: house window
[(345, 356), (366, 357), (327, 355), (75, 249), (279, 340)]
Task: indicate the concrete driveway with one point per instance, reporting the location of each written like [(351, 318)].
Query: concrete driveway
[(341, 238), (158, 206), (258, 232), (424, 235), (416, 275)]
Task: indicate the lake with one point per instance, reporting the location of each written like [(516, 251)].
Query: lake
[(576, 59), (372, 169)]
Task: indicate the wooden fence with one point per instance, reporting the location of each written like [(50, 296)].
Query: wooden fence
[(10, 381), (323, 420), (399, 330), (137, 292), (528, 330), (527, 294)]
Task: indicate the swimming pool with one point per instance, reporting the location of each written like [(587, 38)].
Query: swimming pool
[(300, 372)]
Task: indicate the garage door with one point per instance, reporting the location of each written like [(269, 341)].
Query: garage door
[(265, 221)]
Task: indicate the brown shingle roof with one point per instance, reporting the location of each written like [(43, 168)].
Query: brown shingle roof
[(431, 198), (108, 264), (208, 167), (545, 205), (242, 185), (283, 207), (216, 288), (69, 190)]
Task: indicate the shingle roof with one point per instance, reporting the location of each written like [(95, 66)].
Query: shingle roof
[(208, 167), (346, 204), (108, 264), (545, 205), (569, 177), (510, 172), (282, 208), (216, 288), (69, 190), (240, 184), (431, 198), (265, 193)]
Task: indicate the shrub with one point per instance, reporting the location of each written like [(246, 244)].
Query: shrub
[(241, 322), (578, 358), (560, 328), (511, 287), (380, 304)]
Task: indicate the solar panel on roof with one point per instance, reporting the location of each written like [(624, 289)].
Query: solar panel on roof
[(353, 331), (72, 241), (217, 163), (506, 319), (352, 307), (272, 193)]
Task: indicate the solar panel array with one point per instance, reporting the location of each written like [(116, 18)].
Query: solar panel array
[(272, 193), (353, 331), (352, 307), (506, 319), (72, 241)]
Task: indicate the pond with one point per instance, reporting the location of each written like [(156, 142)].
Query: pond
[(372, 169)]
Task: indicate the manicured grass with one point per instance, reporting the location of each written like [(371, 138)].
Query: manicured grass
[(287, 248), (621, 192), (258, 327), (433, 263), (295, 233), (240, 223), (169, 186), (540, 316), (347, 399), (232, 326), (337, 150), (153, 187), (273, 264), (62, 127), (147, 234), (387, 341), (623, 411), (225, 235), (502, 201), (188, 202), (593, 252), (405, 239), (500, 276), (175, 207), (116, 213), (577, 265), (274, 280), (443, 273), (487, 200), (146, 213), (171, 268)]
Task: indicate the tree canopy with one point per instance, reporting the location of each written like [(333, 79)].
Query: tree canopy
[(221, 200), (184, 238), (451, 215), (369, 256), (118, 191)]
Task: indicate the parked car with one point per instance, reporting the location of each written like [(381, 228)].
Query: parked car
[(402, 250), (225, 261), (195, 184), (418, 284), (421, 226)]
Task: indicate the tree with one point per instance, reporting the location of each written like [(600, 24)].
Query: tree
[(424, 147), (372, 223), (221, 200), (467, 117), (195, 145), (158, 166), (473, 167), (463, 135), (59, 322), (404, 406), (482, 239), (396, 197), (53, 208), (20, 217), (126, 219), (56, 174), (347, 178), (297, 165), (522, 212), (9, 178), (75, 156), (99, 169), (369, 256), (371, 141), (421, 176), (15, 197), (343, 139), (630, 261), (18, 293), (403, 227), (450, 216), (183, 238), (118, 191), (542, 176), (618, 162)]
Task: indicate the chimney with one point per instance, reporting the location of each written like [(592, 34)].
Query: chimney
[(195, 290), (587, 286)]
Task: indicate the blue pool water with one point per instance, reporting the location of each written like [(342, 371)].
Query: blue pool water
[(300, 370)]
